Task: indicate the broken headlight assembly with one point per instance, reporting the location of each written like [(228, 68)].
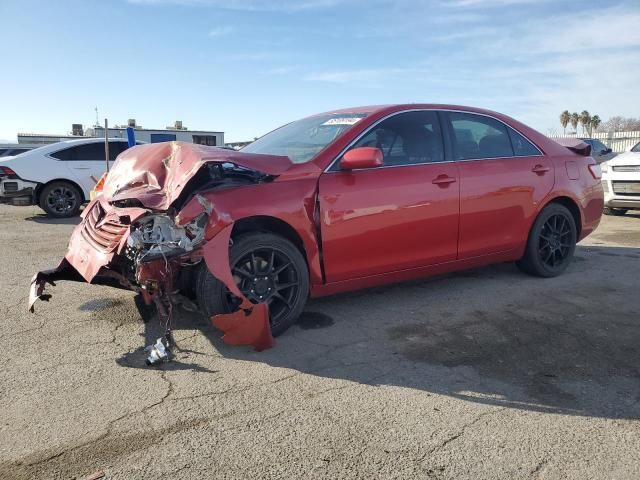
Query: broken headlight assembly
[(157, 236)]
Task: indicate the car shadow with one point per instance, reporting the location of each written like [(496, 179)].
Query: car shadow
[(46, 219), (567, 345)]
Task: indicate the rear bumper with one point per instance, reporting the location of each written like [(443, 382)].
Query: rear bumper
[(622, 202), (17, 192)]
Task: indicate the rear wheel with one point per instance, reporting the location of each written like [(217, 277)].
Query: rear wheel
[(60, 199), (551, 244), (267, 269), (616, 212)]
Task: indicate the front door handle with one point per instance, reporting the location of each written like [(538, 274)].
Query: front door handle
[(540, 169), (443, 180)]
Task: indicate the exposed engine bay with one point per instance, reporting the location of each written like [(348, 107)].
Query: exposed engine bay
[(157, 236)]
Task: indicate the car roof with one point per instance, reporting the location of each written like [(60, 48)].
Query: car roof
[(90, 140), (399, 107)]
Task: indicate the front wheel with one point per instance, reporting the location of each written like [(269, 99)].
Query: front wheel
[(60, 200), (551, 243), (616, 212), (267, 269)]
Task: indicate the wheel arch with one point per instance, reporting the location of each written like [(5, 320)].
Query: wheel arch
[(266, 223), (570, 205), (42, 186)]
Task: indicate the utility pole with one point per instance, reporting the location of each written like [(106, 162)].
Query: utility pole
[(106, 143)]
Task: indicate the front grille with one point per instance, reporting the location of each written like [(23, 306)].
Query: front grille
[(10, 186), (626, 188), (626, 168), (104, 237)]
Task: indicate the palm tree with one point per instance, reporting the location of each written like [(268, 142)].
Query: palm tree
[(585, 119), (564, 120), (595, 123), (575, 118)]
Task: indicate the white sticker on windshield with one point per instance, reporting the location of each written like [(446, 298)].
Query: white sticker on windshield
[(343, 121)]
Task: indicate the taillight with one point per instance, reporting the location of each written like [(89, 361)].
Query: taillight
[(7, 171), (596, 171)]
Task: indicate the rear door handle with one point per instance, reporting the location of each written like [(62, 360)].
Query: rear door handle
[(540, 169), (443, 180)]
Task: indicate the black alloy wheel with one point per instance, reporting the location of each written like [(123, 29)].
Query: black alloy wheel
[(616, 212), (60, 200), (554, 241), (266, 275), (551, 243), (267, 269)]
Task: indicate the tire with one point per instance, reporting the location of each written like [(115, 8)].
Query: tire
[(61, 199), (285, 291), (551, 243), (616, 212)]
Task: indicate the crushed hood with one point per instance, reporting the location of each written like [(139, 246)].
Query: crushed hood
[(155, 174)]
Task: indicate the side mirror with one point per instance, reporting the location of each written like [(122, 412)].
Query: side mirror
[(362, 157)]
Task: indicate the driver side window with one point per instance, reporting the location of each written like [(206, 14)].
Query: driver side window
[(410, 138)]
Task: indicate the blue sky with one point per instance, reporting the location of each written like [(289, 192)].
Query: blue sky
[(247, 66)]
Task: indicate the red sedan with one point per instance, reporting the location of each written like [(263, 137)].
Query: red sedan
[(334, 202)]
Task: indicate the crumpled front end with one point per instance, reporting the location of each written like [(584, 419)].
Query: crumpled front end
[(143, 249)]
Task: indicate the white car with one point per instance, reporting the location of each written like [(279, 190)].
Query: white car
[(621, 182), (57, 177)]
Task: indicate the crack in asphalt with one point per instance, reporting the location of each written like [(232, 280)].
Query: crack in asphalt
[(460, 432), (537, 470)]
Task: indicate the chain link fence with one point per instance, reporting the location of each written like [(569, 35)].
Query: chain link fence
[(619, 142)]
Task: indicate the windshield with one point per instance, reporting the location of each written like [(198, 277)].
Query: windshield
[(636, 149), (303, 139)]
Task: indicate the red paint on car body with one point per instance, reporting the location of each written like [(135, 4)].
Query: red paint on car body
[(356, 228)]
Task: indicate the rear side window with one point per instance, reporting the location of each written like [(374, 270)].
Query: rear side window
[(409, 138), (115, 149), (87, 151), (477, 136), (522, 147), (66, 154)]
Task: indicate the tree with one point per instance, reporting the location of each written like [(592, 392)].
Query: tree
[(595, 123), (575, 118), (585, 120), (621, 124), (564, 120)]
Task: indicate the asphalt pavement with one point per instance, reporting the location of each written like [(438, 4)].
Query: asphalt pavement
[(484, 374)]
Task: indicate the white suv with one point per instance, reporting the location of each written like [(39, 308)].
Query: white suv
[(621, 182), (57, 177)]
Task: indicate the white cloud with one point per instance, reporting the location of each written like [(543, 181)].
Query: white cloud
[(282, 70), (611, 28), (360, 75)]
